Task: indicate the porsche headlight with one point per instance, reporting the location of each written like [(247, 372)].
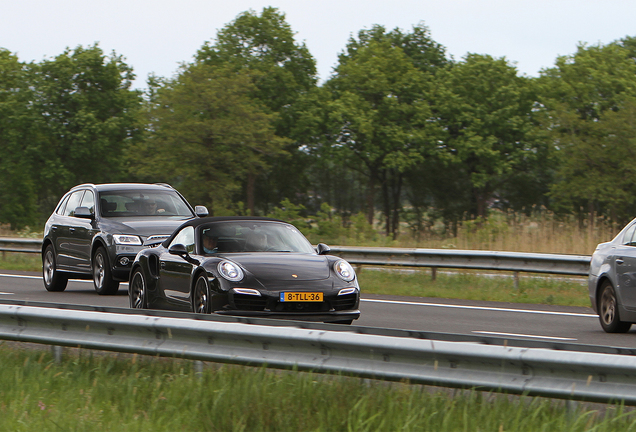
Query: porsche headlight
[(230, 271), (344, 270), (126, 239)]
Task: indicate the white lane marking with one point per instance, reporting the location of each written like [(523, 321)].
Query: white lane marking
[(523, 335), (40, 278), (481, 308), (3, 293)]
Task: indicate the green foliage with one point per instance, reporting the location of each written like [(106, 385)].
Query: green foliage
[(87, 114), (485, 109), (207, 134), (590, 99)]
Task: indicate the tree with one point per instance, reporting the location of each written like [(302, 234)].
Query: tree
[(17, 182), (379, 116), (281, 70), (87, 114), (589, 100), (485, 109), (206, 134)]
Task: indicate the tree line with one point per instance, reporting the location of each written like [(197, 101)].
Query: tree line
[(399, 129)]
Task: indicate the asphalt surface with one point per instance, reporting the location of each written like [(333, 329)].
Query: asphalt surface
[(538, 322)]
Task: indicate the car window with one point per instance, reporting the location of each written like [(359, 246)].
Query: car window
[(150, 203), (628, 237), (62, 205), (186, 238), (73, 203), (89, 201), (255, 236)]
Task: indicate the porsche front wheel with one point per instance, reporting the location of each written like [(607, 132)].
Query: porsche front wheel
[(201, 296)]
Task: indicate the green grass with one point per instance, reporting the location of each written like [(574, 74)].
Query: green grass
[(21, 261), (89, 392), (545, 289)]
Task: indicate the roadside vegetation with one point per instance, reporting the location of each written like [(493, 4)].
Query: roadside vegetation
[(91, 391)]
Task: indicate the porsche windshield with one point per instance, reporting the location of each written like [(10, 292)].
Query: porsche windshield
[(131, 203), (251, 236)]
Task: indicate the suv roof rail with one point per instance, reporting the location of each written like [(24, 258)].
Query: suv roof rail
[(83, 185), (165, 185)]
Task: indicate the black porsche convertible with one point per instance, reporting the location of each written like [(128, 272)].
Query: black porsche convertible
[(246, 266)]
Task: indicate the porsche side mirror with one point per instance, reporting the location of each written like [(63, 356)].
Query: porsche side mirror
[(201, 211), (322, 249), (179, 249), (83, 212)]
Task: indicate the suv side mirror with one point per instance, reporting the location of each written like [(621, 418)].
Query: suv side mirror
[(83, 212), (201, 211), (322, 249)]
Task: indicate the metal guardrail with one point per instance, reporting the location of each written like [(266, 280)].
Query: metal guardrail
[(434, 258), (16, 244), (531, 371)]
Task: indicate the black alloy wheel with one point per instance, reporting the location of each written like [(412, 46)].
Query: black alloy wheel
[(137, 292), (608, 310), (201, 296), (102, 276), (53, 279)]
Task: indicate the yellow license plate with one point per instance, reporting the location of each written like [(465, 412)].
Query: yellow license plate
[(301, 296)]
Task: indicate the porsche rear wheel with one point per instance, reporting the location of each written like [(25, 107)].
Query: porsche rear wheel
[(608, 310), (137, 292), (201, 296)]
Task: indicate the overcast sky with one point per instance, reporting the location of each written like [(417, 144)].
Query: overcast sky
[(156, 36)]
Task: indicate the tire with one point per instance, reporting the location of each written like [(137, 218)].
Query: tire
[(102, 276), (201, 296), (53, 279), (608, 310), (138, 291)]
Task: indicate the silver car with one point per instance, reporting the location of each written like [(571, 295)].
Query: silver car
[(612, 281)]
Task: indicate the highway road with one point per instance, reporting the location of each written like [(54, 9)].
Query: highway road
[(539, 322)]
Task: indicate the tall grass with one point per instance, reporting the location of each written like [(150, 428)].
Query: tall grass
[(90, 392)]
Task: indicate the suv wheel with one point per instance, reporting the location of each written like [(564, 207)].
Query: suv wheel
[(102, 276), (53, 279)]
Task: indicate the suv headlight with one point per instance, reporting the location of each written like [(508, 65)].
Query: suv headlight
[(230, 271), (126, 239), (344, 270)]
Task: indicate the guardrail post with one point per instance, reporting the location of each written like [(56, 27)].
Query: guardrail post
[(516, 277), (56, 350), (433, 273), (198, 369)]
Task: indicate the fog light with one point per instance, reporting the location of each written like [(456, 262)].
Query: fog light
[(124, 261)]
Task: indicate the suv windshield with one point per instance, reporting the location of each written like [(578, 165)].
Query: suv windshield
[(127, 203)]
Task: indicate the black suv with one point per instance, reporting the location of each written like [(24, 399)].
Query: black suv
[(96, 231)]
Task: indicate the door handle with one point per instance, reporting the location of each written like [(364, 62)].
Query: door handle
[(162, 264), (54, 227), (619, 261), (72, 229)]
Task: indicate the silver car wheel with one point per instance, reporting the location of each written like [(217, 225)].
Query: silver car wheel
[(98, 271), (49, 267), (608, 306)]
